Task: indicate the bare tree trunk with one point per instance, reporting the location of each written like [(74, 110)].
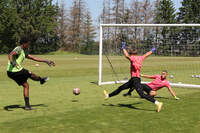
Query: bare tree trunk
[(62, 27)]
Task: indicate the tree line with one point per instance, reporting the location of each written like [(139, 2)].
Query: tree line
[(34, 18), (183, 41), (52, 26)]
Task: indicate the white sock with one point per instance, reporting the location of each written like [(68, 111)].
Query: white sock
[(156, 102), (107, 95)]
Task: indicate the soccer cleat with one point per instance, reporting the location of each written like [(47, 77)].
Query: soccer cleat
[(43, 80), (105, 94), (27, 108), (127, 94), (159, 106)]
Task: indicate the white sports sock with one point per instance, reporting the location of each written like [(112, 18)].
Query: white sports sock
[(156, 102), (107, 95)]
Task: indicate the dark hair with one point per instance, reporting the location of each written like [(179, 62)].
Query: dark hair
[(24, 39), (132, 51), (164, 71)]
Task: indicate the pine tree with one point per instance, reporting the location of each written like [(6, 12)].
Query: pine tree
[(62, 26), (75, 22), (35, 18), (189, 12), (89, 35), (136, 18), (165, 14), (9, 26), (147, 17), (117, 17)]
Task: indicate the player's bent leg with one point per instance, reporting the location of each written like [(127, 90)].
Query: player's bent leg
[(122, 87), (38, 78), (147, 97), (151, 99), (35, 77), (26, 96), (152, 93), (129, 92)]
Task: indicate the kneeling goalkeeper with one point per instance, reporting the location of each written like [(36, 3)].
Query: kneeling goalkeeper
[(159, 82)]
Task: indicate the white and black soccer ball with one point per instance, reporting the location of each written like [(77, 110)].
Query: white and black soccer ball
[(76, 91)]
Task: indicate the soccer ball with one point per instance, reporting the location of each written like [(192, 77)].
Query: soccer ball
[(76, 91), (37, 65)]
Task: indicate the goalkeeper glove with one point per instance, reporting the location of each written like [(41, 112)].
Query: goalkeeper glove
[(153, 49), (123, 45), (176, 98), (50, 63)]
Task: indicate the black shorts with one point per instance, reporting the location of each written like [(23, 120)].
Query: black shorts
[(19, 77), (146, 88)]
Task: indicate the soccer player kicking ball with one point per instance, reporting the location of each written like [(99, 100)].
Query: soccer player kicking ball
[(20, 75), (159, 82), (135, 81)]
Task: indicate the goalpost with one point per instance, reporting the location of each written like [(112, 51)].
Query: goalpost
[(179, 43)]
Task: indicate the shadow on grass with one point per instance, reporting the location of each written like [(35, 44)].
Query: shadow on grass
[(159, 97), (12, 107), (129, 106), (94, 82), (74, 100), (156, 97)]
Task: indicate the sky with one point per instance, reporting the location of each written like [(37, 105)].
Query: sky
[(95, 6)]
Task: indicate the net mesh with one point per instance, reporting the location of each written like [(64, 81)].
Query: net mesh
[(177, 51)]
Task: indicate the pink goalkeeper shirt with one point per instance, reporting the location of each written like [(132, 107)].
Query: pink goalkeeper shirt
[(158, 83), (136, 64)]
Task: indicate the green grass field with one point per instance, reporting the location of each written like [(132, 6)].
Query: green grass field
[(57, 110)]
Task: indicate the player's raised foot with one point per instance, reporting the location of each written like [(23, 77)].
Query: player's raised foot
[(43, 80), (127, 94), (27, 108), (105, 94), (159, 106)]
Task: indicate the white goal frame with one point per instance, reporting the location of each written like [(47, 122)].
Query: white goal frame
[(137, 25)]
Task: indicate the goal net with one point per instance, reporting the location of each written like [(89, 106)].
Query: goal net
[(177, 51)]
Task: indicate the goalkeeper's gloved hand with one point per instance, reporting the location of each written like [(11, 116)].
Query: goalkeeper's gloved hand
[(176, 98), (123, 45), (14, 64), (153, 49), (50, 63)]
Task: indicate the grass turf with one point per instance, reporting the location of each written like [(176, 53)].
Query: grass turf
[(57, 110)]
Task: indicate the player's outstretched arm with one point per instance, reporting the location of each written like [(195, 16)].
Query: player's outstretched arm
[(172, 93), (150, 52), (125, 51), (50, 63), (147, 76)]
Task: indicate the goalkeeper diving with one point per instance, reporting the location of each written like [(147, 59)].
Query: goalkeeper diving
[(159, 82), (135, 81)]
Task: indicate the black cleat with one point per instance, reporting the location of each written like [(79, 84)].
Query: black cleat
[(27, 108), (43, 80), (127, 94)]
